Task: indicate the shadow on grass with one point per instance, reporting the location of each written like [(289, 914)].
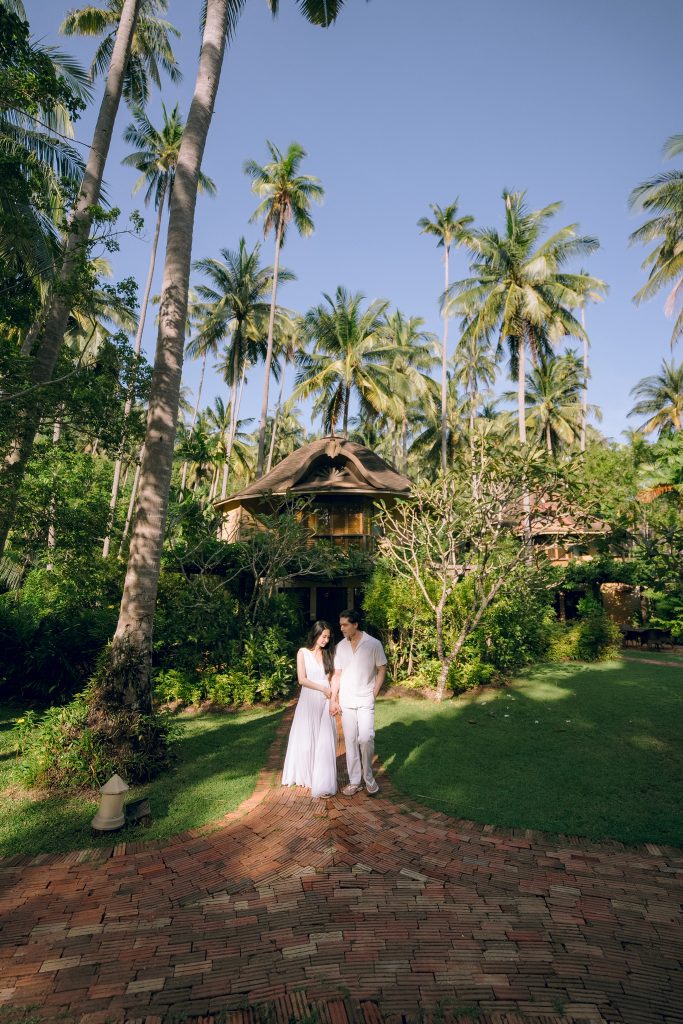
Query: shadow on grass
[(219, 758), (592, 750)]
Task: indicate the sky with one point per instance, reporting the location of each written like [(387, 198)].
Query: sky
[(403, 103)]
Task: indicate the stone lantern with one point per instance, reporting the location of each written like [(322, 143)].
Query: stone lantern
[(110, 814)]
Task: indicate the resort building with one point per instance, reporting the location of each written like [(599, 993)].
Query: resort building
[(343, 481)]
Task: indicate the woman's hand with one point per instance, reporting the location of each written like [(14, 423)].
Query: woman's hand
[(334, 708), (327, 691)]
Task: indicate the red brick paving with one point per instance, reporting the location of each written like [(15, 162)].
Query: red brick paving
[(345, 911)]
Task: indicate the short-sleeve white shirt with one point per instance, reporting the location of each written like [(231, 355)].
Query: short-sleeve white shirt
[(357, 681)]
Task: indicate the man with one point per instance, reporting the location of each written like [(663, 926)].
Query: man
[(360, 666)]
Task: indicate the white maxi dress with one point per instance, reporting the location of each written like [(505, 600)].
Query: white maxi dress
[(311, 758)]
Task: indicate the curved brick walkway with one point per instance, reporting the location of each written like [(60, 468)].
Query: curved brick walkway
[(375, 907)]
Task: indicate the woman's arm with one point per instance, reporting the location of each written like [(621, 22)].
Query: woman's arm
[(303, 678)]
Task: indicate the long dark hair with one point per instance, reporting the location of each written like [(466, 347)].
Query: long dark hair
[(327, 652)]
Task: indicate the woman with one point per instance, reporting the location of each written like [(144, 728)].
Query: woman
[(311, 758)]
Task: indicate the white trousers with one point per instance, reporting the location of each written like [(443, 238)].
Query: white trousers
[(358, 725)]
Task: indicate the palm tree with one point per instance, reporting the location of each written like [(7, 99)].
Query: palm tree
[(58, 307), (286, 196), (287, 431), (519, 290), (151, 51), (156, 159), (351, 352), (131, 648), (238, 309), (663, 197), (553, 400), (660, 398), (426, 448), (474, 367), (589, 296), (450, 230), (412, 360), (288, 343)]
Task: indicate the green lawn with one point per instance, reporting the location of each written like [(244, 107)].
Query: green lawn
[(220, 756), (591, 750)]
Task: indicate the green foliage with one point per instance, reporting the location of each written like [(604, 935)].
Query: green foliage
[(592, 637), (515, 629), (259, 668), (54, 628), (64, 749)]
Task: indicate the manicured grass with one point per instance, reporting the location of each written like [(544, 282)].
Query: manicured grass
[(220, 756), (591, 750)]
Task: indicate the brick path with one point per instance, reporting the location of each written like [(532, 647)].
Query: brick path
[(345, 910)]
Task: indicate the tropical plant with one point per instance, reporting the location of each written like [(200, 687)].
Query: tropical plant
[(519, 292), (156, 159), (552, 396), (663, 197), (124, 686), (412, 359), (660, 398), (288, 343), (450, 230), (75, 251), (286, 197), (237, 308), (350, 353), (151, 51)]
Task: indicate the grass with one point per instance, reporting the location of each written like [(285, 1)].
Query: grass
[(220, 756), (590, 750)]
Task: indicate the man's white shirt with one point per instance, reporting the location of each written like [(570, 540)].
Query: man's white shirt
[(357, 681)]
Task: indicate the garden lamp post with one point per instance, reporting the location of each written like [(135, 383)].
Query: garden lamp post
[(110, 814)]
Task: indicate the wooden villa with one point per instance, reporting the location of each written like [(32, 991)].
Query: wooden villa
[(343, 480)]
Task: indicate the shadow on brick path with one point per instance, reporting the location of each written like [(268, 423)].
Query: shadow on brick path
[(344, 911)]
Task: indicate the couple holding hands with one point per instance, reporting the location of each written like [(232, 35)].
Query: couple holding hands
[(335, 679)]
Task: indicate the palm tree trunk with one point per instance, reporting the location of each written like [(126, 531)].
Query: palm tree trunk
[(278, 407), (131, 503), (269, 356), (404, 445), (138, 348), (548, 438), (444, 371), (347, 397), (51, 533), (521, 390), (233, 422), (584, 401), (130, 659), (183, 479), (74, 250)]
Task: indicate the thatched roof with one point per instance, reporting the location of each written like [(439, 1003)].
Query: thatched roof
[(329, 466)]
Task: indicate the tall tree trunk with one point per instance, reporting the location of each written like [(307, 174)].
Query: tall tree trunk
[(183, 479), (131, 503), (138, 348), (444, 371), (232, 430), (584, 398), (404, 445), (278, 407), (269, 356), (51, 532), (347, 398), (521, 390), (130, 658), (62, 295), (548, 438)]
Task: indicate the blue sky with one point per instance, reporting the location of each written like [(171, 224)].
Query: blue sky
[(404, 103)]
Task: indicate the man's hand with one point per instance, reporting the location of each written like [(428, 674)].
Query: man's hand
[(334, 707)]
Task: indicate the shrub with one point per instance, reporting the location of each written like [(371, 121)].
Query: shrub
[(62, 750), (591, 637)]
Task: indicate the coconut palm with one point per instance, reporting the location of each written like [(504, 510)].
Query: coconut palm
[(156, 159), (449, 229), (660, 398), (286, 197), (474, 369), (56, 316), (287, 432), (663, 197), (288, 343), (350, 353), (238, 309), (413, 357), (151, 51), (553, 398), (427, 447), (131, 648), (519, 292)]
